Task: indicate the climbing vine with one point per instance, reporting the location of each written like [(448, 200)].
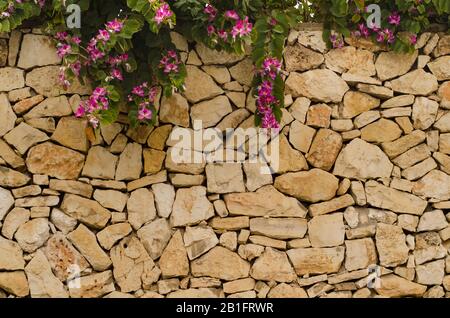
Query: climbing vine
[(124, 48)]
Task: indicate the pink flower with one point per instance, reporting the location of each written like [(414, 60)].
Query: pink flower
[(116, 73), (103, 35), (222, 34), (242, 28), (81, 111), (145, 114), (394, 18), (76, 68), (63, 50), (114, 26), (231, 14), (413, 39), (76, 40), (211, 11), (364, 31), (162, 13), (61, 36), (210, 29), (139, 91)]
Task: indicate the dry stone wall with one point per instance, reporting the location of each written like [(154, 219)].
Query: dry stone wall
[(364, 180)]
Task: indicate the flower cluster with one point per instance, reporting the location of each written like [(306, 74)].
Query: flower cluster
[(11, 8), (228, 26), (143, 98), (96, 103), (97, 45), (336, 41), (170, 62), (265, 100), (163, 14)]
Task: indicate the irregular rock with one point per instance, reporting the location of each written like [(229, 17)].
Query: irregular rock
[(14, 283), (432, 221), (164, 198), (324, 149), (62, 221), (51, 87), (7, 116), (37, 50), (383, 197), (431, 273), (198, 240), (435, 185), (242, 72), (155, 236), (70, 132), (191, 207), (199, 85), (299, 58), (42, 282), (63, 258), (11, 78), (316, 260), (394, 286), (24, 136), (351, 60), (14, 220), (210, 56), (51, 107), (361, 160), (100, 164), (273, 265), (10, 156), (401, 145), (212, 111), (326, 230), (6, 202), (112, 234), (440, 68), (12, 178), (73, 187), (356, 103), (55, 161), (174, 110), (130, 163), (174, 261), (266, 201), (311, 186), (85, 241), (383, 130), (220, 263), (391, 245), (86, 211), (286, 228), (93, 286), (11, 256), (287, 291), (32, 234), (131, 264), (225, 178), (393, 64), (310, 85), (424, 113), (360, 254), (153, 160), (417, 82)]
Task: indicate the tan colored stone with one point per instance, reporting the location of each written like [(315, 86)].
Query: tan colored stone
[(220, 263), (153, 160), (112, 234), (141, 208), (356, 103), (435, 185), (199, 239), (319, 116), (71, 186), (210, 56), (332, 205), (155, 236), (11, 256), (301, 136), (299, 58), (175, 110), (174, 261), (417, 82), (273, 265), (361, 160), (93, 286), (266, 201), (324, 149), (243, 72), (9, 156), (191, 207), (326, 230), (32, 234), (158, 137), (391, 245), (50, 107), (401, 145), (424, 113), (15, 218), (23, 137), (100, 164), (70, 133), (42, 282), (55, 161), (85, 241), (310, 85), (37, 50), (86, 211), (440, 68), (212, 111), (14, 283), (11, 78), (312, 186), (316, 260), (383, 130), (392, 64), (199, 85), (360, 254), (383, 197)]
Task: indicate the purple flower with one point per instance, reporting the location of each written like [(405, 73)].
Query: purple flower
[(162, 13), (114, 26), (231, 14), (103, 35), (63, 50), (413, 39), (145, 114), (211, 11), (394, 18), (242, 28), (116, 73)]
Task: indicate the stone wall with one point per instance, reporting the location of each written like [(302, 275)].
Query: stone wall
[(363, 181)]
